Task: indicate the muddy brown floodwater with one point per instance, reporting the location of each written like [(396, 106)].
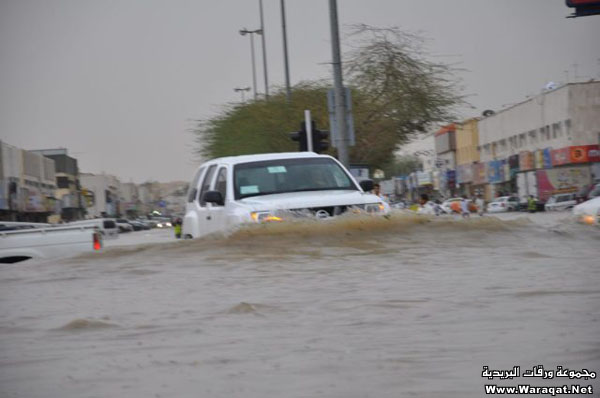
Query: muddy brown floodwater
[(356, 307)]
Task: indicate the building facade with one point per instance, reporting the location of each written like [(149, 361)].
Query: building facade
[(467, 154), (101, 194), (27, 181), (556, 129), (68, 188)]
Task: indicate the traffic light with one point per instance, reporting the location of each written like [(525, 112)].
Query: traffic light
[(300, 137), (319, 139)]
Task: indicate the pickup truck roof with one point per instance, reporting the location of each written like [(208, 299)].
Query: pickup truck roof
[(231, 160)]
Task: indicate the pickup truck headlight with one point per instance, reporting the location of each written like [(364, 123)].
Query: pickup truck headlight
[(374, 207), (588, 219), (264, 216)]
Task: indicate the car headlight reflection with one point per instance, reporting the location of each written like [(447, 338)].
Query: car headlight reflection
[(374, 207), (264, 216), (588, 219)]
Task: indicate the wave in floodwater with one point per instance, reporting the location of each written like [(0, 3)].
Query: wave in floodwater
[(351, 231)]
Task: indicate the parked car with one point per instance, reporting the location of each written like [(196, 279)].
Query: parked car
[(561, 201), (144, 224), (503, 203), (448, 207), (123, 225), (107, 226), (231, 191), (588, 212), (593, 192)]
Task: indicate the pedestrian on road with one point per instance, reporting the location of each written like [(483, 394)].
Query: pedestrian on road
[(464, 206), (531, 204), (177, 228), (480, 203)]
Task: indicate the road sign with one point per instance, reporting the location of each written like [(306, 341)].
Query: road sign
[(332, 117)]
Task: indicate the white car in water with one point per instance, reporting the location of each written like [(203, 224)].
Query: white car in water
[(588, 212), (562, 201), (230, 191), (503, 203)]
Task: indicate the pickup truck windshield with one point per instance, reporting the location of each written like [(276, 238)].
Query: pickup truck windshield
[(289, 175)]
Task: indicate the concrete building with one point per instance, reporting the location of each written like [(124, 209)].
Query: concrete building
[(27, 185), (467, 154), (68, 188), (445, 149), (130, 200), (557, 128), (101, 193), (11, 171), (566, 116)]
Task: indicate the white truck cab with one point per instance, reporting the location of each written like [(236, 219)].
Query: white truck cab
[(229, 191)]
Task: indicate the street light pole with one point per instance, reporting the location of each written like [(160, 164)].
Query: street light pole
[(244, 32), (288, 91), (264, 48), (340, 108)]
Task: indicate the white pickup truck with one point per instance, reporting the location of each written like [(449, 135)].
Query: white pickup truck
[(23, 241), (231, 191)]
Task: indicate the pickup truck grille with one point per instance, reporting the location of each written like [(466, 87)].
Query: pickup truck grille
[(321, 212)]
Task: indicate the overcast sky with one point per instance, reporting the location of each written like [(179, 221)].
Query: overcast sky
[(118, 83)]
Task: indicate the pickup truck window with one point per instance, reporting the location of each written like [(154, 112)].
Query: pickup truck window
[(289, 175), (221, 184), (193, 190), (206, 183)]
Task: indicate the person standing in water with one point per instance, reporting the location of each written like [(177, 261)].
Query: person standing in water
[(177, 228), (480, 203), (464, 207)]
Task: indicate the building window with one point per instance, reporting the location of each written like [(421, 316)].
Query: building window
[(555, 130), (568, 127), (522, 140), (62, 182), (533, 136), (503, 145)]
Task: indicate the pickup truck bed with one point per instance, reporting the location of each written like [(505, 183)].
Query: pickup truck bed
[(23, 241)]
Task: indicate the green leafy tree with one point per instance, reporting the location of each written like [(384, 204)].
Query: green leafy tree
[(396, 94), (400, 93)]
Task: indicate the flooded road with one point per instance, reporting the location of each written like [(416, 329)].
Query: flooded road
[(358, 307)]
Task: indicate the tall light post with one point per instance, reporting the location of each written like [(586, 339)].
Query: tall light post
[(242, 90), (244, 32), (288, 91), (264, 48), (340, 107)]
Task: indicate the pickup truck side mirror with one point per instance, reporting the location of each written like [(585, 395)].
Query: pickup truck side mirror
[(213, 197), (366, 185)]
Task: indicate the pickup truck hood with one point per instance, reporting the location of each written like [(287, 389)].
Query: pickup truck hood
[(591, 207), (309, 199)]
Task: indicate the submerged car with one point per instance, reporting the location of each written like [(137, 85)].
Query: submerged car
[(230, 191), (448, 205), (503, 203), (588, 212), (561, 201)]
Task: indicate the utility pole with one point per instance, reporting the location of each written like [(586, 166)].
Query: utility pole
[(245, 32), (262, 28), (288, 91), (340, 108)]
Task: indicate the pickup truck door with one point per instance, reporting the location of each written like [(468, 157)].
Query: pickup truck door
[(217, 220), (203, 208)]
